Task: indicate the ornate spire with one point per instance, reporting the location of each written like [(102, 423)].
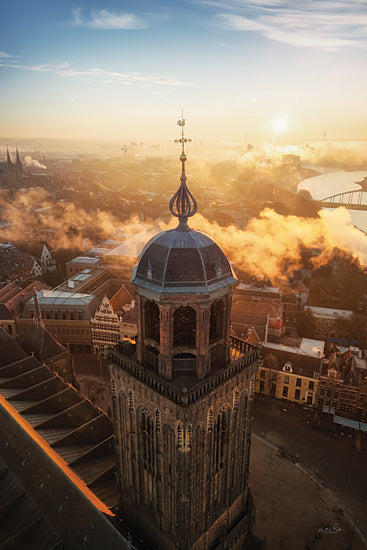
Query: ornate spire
[(183, 204), (8, 159)]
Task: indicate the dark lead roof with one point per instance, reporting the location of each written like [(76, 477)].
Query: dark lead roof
[(179, 261)]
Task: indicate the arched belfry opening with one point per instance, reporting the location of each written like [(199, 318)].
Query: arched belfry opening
[(184, 327), (151, 317), (216, 330)]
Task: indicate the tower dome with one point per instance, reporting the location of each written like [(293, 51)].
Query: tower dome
[(178, 261)]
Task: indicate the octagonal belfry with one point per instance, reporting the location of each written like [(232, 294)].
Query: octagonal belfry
[(183, 287), (183, 394)]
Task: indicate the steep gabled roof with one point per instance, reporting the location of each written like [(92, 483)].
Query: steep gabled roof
[(121, 298), (25, 525), (5, 314), (80, 433), (10, 350), (39, 341), (131, 316)]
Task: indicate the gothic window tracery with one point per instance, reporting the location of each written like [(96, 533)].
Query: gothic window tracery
[(219, 437), (146, 428)]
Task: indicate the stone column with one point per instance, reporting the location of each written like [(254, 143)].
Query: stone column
[(202, 341), (165, 357), (140, 340)]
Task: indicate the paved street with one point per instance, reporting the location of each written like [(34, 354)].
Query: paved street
[(330, 461)]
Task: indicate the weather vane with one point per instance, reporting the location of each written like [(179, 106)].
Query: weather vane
[(182, 139)]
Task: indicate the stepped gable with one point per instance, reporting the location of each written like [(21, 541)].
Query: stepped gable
[(39, 341), (10, 350)]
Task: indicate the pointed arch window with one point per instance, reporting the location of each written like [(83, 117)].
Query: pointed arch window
[(219, 439), (147, 441)]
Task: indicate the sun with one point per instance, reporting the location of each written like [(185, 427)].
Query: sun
[(279, 125)]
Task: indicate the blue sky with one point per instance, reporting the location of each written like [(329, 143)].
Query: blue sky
[(123, 70)]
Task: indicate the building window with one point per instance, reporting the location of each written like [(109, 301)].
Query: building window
[(147, 433), (262, 373), (299, 382), (285, 391), (311, 386), (297, 394), (262, 385), (219, 440), (286, 379)]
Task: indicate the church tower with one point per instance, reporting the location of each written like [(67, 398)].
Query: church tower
[(183, 394)]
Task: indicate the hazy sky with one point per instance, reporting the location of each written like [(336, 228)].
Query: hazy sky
[(123, 69)]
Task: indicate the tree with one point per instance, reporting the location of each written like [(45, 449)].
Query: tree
[(306, 323), (354, 328), (271, 363)]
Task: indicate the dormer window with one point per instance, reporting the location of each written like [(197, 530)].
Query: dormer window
[(288, 367)]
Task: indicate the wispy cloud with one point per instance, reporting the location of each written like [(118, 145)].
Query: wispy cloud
[(104, 19), (329, 25), (96, 74)]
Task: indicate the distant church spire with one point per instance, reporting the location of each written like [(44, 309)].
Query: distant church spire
[(37, 316), (18, 161), (8, 159), (183, 204)]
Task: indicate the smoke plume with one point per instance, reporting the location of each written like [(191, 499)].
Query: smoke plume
[(29, 161), (270, 245)]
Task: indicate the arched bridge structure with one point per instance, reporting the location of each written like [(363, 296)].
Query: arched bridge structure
[(354, 200)]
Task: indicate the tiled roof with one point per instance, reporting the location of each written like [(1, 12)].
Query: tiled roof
[(77, 430), (22, 523), (131, 316), (39, 341), (121, 298), (303, 365), (5, 314), (258, 307), (10, 350)]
